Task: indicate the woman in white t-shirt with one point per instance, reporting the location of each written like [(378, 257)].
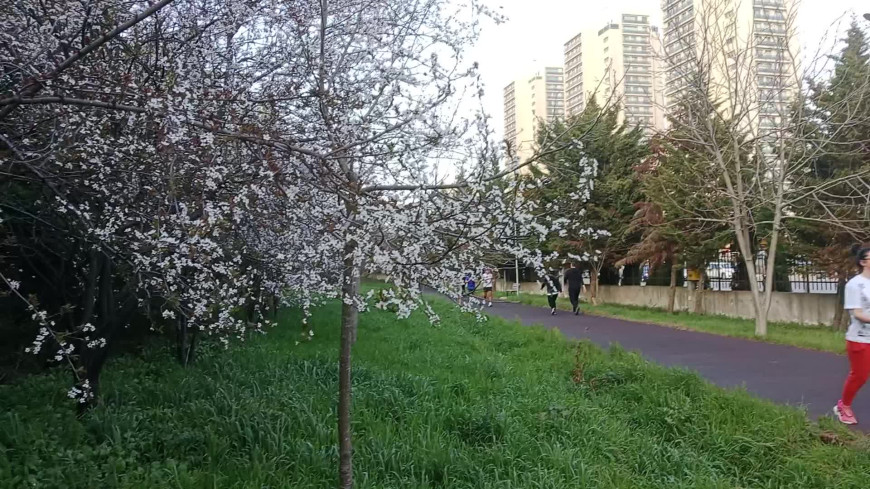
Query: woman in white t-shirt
[(487, 279), (857, 302)]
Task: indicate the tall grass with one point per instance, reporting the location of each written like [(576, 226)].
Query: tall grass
[(459, 405), (812, 337)]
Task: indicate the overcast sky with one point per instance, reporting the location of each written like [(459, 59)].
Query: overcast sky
[(536, 31)]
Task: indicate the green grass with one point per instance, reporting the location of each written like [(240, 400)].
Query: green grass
[(811, 337), (460, 405)]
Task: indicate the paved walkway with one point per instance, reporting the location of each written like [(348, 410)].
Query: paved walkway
[(783, 374)]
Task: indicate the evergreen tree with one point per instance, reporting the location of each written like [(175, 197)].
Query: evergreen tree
[(611, 151), (825, 241)]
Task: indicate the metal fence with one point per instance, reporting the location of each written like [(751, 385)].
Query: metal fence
[(728, 272), (725, 272)]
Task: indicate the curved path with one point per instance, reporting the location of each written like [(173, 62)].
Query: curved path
[(783, 374)]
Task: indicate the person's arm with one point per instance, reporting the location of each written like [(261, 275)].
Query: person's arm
[(852, 302), (860, 315)]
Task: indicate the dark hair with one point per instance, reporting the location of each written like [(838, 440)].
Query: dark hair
[(860, 253)]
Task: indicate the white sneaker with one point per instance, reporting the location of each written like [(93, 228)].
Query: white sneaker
[(490, 304)]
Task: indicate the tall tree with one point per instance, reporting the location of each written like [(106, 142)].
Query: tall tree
[(598, 231), (841, 209), (669, 233), (745, 109)]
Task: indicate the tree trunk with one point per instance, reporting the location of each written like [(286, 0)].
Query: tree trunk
[(349, 321), (758, 301), (593, 287), (699, 293), (758, 296), (186, 341), (672, 294), (761, 325), (840, 322)]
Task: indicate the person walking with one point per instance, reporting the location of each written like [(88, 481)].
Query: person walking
[(554, 288), (468, 286), (857, 302), (574, 281), (487, 279)]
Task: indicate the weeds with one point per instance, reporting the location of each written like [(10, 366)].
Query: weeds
[(464, 405)]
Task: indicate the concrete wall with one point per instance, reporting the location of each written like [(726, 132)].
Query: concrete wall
[(784, 307)]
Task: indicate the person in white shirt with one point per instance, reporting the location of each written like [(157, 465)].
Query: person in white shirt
[(487, 280), (857, 302)]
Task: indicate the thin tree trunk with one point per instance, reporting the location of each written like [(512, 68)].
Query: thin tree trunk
[(839, 316), (758, 300), (93, 359), (349, 321), (593, 287), (672, 295), (699, 293), (91, 285)]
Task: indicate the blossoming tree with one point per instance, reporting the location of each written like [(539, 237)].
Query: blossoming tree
[(199, 160)]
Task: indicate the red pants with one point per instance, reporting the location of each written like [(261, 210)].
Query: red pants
[(859, 369)]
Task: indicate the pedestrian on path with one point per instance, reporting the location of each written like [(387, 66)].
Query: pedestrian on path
[(574, 281), (488, 282), (857, 302), (468, 287), (554, 288)]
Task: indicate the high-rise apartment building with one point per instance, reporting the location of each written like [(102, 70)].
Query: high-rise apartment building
[(617, 64), (575, 95), (738, 51), (528, 102)]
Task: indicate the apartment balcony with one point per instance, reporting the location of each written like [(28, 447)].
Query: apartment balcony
[(682, 42), (771, 84), (676, 24), (681, 11), (779, 19), (776, 71), (633, 42), (768, 30), (772, 41), (774, 4), (771, 58)]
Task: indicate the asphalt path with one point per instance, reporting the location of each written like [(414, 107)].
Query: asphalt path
[(783, 374)]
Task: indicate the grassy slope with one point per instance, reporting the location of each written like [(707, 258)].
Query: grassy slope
[(463, 405), (812, 337)]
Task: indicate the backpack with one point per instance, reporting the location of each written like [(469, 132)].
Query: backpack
[(470, 285)]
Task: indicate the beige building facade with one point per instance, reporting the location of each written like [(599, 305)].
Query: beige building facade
[(618, 65), (529, 102), (743, 52)]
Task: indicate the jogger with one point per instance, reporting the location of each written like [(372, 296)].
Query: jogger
[(857, 302), (554, 288), (488, 279), (574, 281), (859, 369)]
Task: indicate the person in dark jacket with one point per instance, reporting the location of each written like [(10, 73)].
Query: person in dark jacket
[(574, 281), (554, 288)]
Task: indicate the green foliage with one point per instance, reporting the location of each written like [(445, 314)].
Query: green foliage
[(676, 182), (465, 405), (842, 109), (617, 149)]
